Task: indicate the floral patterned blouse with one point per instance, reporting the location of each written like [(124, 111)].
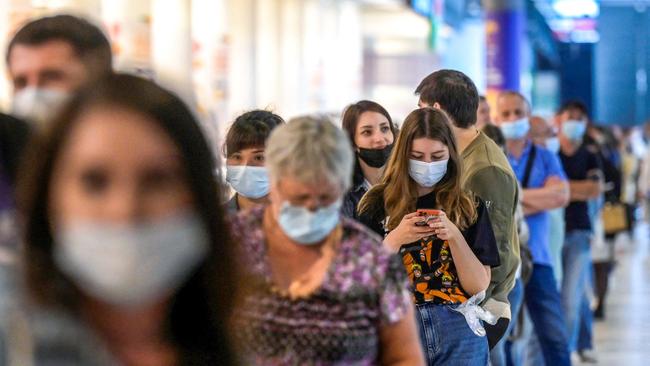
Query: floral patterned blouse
[(338, 324)]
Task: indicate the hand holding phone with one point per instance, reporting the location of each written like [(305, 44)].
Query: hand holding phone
[(427, 215)]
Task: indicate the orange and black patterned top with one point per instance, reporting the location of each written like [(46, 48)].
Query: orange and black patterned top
[(429, 263)]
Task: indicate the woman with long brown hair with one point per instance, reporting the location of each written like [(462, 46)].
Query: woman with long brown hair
[(372, 133), (447, 249)]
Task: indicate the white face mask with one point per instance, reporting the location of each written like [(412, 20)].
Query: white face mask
[(131, 264), (37, 105), (427, 174), (249, 181)]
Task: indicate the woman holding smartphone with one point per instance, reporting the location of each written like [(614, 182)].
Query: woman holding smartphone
[(442, 233)]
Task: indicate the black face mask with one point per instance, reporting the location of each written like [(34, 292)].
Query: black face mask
[(375, 158)]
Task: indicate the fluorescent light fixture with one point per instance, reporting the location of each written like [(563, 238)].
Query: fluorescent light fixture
[(576, 8)]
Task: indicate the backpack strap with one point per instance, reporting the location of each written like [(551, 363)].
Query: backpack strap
[(529, 166)]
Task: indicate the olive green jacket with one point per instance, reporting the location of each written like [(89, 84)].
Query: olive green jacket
[(487, 173)]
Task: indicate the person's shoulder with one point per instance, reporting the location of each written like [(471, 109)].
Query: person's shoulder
[(362, 241), (244, 221), (357, 231), (490, 174), (374, 206), (485, 153), (544, 153), (9, 119)]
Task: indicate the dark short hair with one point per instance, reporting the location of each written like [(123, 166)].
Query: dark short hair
[(574, 105), (495, 134), (455, 92), (88, 41), (200, 308), (249, 130), (514, 93)]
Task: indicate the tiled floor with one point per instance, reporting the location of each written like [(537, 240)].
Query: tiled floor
[(624, 337)]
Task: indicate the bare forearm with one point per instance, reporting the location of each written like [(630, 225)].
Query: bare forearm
[(471, 272), (545, 198), (584, 190)]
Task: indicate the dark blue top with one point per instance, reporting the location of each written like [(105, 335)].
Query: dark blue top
[(576, 167), (351, 200)]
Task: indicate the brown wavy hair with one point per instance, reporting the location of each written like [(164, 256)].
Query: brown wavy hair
[(397, 193)]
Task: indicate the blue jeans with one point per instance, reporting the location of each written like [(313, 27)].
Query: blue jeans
[(532, 354), (500, 354), (585, 335), (576, 255), (447, 339), (545, 309)]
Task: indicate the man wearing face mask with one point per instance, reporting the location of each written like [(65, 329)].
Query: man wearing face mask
[(584, 170), (544, 133), (487, 173), (49, 58), (544, 188)]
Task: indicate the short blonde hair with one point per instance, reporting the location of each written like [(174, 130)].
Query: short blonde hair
[(310, 149)]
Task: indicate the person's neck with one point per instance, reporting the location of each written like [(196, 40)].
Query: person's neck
[(372, 175), (569, 147), (464, 136), (244, 203), (423, 191), (516, 147), (130, 332)]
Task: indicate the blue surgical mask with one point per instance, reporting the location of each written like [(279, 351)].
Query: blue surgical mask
[(553, 144), (574, 130), (427, 174), (249, 181), (309, 227), (515, 130)]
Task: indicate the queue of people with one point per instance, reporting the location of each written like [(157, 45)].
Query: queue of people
[(452, 240)]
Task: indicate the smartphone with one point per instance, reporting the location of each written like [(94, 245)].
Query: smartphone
[(427, 215)]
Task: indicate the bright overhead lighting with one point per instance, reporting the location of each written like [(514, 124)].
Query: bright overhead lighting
[(576, 8)]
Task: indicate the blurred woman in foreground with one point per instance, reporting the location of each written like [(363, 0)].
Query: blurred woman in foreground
[(125, 243)]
